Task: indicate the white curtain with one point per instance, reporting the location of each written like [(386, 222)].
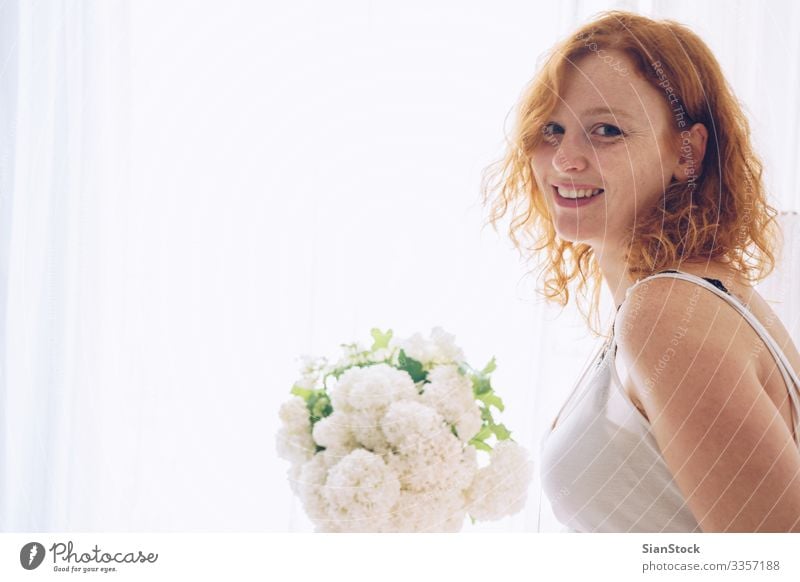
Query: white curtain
[(192, 194), (64, 182)]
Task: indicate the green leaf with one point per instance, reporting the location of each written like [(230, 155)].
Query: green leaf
[(412, 366), (492, 399), (481, 385), (480, 445), (490, 367), (320, 406), (304, 393), (484, 434), (472, 519), (501, 432), (381, 339)]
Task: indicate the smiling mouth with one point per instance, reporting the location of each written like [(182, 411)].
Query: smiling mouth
[(577, 193)]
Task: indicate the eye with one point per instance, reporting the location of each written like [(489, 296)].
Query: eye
[(609, 130), (550, 130)]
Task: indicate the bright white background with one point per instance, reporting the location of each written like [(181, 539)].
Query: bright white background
[(195, 193)]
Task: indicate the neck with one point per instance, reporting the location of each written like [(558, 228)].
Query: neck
[(615, 272), (614, 268)]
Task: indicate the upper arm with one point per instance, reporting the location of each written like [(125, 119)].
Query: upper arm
[(692, 359)]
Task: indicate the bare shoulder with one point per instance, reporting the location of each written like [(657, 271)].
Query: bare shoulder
[(691, 357), (675, 337), (665, 312)]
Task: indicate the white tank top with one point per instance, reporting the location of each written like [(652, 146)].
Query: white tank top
[(601, 467)]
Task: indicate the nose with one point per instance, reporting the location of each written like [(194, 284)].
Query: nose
[(569, 158)]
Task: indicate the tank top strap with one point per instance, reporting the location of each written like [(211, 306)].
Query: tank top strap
[(680, 275), (715, 286)]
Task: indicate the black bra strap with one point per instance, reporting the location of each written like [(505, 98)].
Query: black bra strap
[(715, 282)]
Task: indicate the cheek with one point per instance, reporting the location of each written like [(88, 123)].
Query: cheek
[(636, 164), (539, 163), (614, 168), (652, 173)]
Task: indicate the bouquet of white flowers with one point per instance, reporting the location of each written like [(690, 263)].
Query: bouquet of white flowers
[(387, 439)]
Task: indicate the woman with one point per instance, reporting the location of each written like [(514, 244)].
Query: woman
[(632, 165)]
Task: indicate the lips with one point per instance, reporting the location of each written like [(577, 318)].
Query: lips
[(576, 185), (577, 190), (576, 194)]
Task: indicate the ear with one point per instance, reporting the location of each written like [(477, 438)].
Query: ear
[(691, 150)]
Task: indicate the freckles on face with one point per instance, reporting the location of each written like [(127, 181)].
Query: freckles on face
[(610, 131)]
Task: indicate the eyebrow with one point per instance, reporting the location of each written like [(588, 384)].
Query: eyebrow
[(601, 110)]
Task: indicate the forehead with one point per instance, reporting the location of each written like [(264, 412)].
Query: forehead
[(600, 81)]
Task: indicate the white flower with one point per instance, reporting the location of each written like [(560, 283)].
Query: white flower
[(310, 364), (451, 394), (392, 459), (355, 354), (295, 446), (361, 490), (446, 346), (383, 354), (409, 420), (435, 461), (311, 483), (334, 433), (366, 428), (311, 370), (428, 511), (440, 349), (467, 468), (500, 488), (294, 414), (373, 387), (294, 442), (469, 424)]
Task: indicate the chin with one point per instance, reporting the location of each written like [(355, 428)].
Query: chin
[(576, 236)]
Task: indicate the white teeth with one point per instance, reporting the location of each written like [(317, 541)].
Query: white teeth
[(583, 193)]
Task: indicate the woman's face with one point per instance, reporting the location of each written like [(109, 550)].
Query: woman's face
[(613, 131)]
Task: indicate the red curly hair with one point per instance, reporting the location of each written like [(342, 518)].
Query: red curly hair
[(722, 215)]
